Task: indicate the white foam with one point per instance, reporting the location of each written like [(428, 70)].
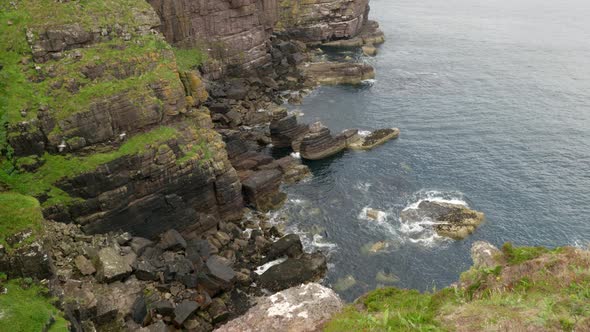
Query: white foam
[(263, 268), (364, 133), (437, 196), (296, 155), (318, 241), (369, 81)]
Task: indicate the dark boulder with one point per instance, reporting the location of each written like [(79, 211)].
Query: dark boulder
[(289, 245), (183, 311), (294, 271), (172, 240)]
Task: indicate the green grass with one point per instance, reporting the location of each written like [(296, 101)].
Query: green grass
[(517, 255), (25, 307), (189, 58), (390, 309), (57, 167), (18, 213), (553, 293)]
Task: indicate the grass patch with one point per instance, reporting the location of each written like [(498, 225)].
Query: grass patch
[(56, 167), (391, 309), (551, 294), (517, 255), (26, 307), (189, 58), (18, 213)]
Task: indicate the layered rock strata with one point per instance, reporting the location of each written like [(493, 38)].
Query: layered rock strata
[(332, 73), (109, 136)]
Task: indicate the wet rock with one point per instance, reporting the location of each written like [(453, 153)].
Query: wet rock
[(332, 73), (369, 50), (289, 245), (386, 277), (172, 240), (302, 308), (374, 139), (183, 311), (319, 143), (485, 255), (294, 271), (345, 283), (111, 265), (84, 265), (452, 220)]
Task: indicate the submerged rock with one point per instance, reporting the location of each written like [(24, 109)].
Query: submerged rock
[(455, 221), (374, 139), (302, 308), (345, 283)]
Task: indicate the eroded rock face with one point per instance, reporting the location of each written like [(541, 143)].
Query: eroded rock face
[(319, 143), (451, 220), (320, 20), (302, 308), (331, 73), (233, 31)]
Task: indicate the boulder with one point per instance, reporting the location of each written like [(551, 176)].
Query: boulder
[(332, 73), (183, 311), (111, 265), (294, 271), (84, 265), (289, 245), (302, 308), (261, 189), (172, 240), (369, 50), (220, 271), (319, 143), (455, 221)]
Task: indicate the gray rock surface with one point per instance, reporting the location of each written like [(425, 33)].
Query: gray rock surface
[(302, 308), (111, 265)]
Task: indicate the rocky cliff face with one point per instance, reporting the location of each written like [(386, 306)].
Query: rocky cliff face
[(237, 32), (318, 21), (233, 31), (99, 125)]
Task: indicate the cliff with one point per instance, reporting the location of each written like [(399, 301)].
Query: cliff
[(98, 124), (512, 289), (237, 32)]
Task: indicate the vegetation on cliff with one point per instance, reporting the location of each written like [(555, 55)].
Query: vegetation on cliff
[(26, 306), (18, 213), (531, 288)]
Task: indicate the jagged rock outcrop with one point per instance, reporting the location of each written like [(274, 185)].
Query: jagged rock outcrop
[(455, 221), (234, 32), (321, 21), (302, 308), (319, 143)]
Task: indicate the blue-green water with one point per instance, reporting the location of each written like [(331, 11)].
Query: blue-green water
[(493, 101)]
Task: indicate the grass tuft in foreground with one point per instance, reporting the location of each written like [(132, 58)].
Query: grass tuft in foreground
[(537, 289), (18, 213)]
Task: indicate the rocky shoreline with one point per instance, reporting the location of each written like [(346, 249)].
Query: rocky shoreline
[(158, 237)]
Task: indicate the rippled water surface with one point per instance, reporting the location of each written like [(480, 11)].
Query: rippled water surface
[(493, 101)]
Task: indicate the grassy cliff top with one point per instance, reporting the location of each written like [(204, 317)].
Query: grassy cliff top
[(18, 213), (532, 289), (27, 307)]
